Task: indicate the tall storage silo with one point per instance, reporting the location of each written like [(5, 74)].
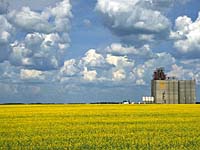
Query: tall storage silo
[(169, 95), (187, 91), (163, 91), (193, 91), (175, 92), (159, 86), (160, 91), (181, 92), (171, 90)]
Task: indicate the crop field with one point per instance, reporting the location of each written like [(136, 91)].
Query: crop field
[(100, 127)]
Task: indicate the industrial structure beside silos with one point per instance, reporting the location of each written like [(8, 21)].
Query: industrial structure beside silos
[(169, 90)]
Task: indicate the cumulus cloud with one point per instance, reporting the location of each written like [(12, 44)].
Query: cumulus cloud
[(70, 68), (52, 19), (134, 21), (187, 34), (20, 54), (31, 74), (119, 49), (191, 63), (185, 72), (121, 69), (30, 20), (44, 36), (119, 75), (142, 73), (9, 73), (162, 5), (33, 43), (140, 82), (89, 75), (6, 31), (3, 6), (177, 71), (43, 57), (62, 9), (119, 61), (96, 67), (93, 59)]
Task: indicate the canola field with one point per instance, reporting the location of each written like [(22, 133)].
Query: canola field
[(93, 127)]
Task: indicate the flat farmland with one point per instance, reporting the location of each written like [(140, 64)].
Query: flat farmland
[(100, 127)]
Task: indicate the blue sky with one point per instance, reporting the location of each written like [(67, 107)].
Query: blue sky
[(94, 50)]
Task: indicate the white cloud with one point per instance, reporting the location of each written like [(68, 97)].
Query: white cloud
[(140, 82), (177, 71), (30, 20), (62, 9), (44, 36), (5, 30), (50, 40), (26, 74), (69, 68), (160, 59), (46, 43), (184, 72), (20, 54), (134, 21), (39, 5), (62, 14), (116, 68), (142, 73), (162, 5), (119, 75), (119, 61), (92, 58), (107, 67), (95, 66), (39, 51), (52, 19), (6, 35), (34, 39), (89, 75), (191, 63), (3, 6), (119, 49), (187, 34), (8, 72)]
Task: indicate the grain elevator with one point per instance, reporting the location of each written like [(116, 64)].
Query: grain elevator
[(169, 90)]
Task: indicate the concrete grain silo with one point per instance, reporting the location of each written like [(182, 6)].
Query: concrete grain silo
[(187, 91), (172, 91)]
